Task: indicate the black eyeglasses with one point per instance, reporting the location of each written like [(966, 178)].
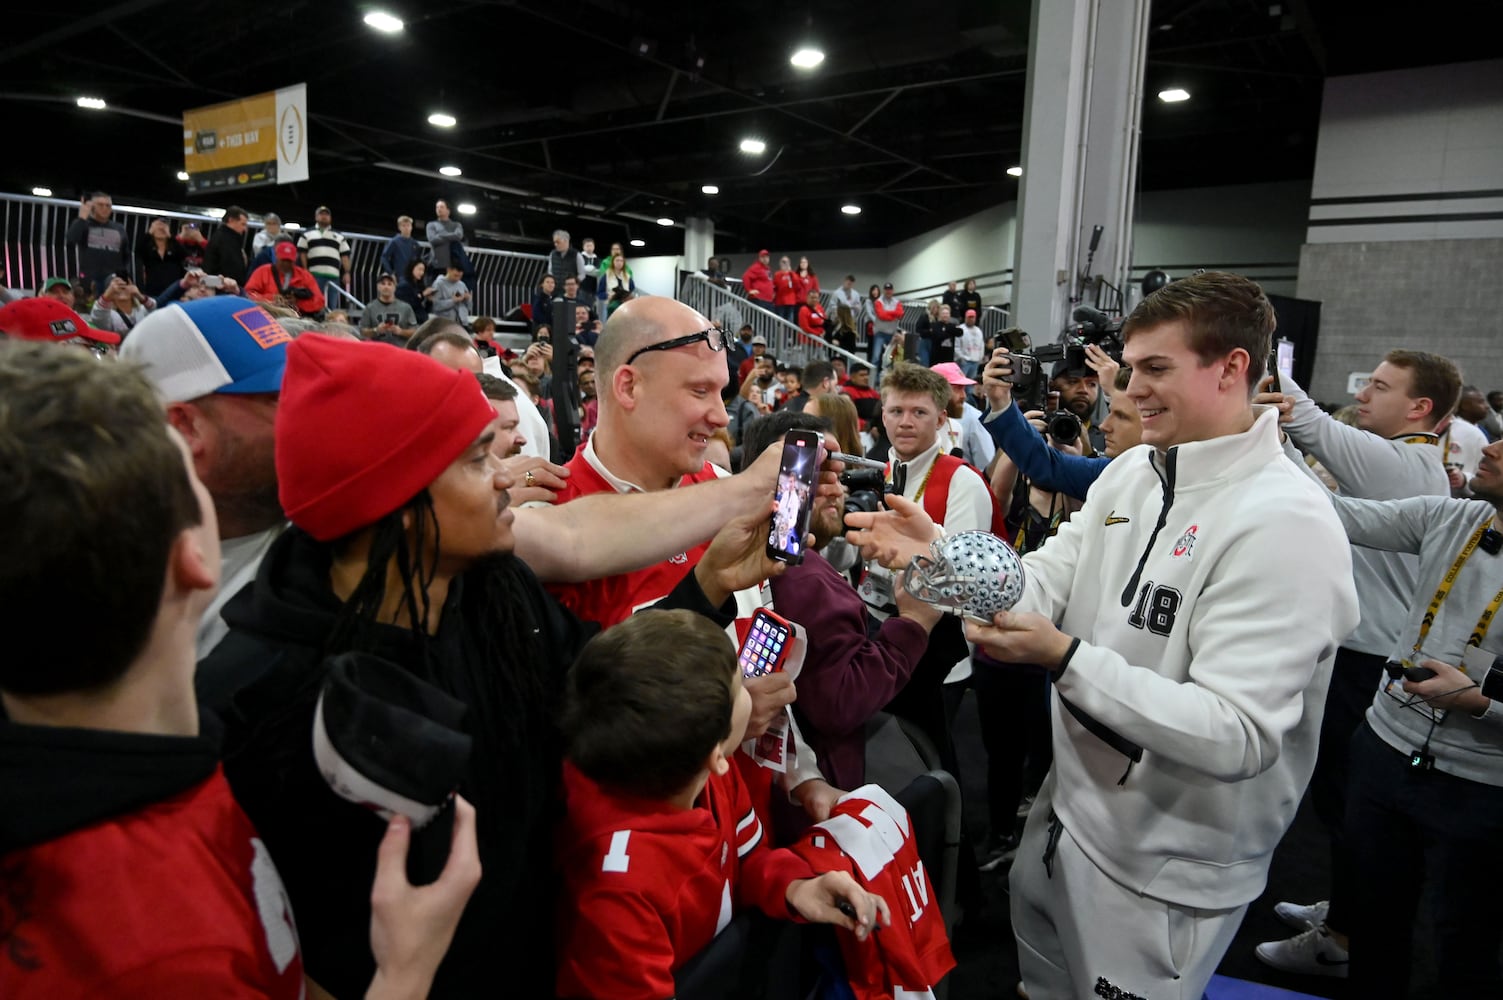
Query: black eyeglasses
[(719, 340)]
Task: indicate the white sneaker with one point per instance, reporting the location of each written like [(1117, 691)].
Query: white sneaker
[(1313, 953), (1302, 918)]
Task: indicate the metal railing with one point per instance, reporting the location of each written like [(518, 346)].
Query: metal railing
[(785, 341), (34, 250), (993, 319)]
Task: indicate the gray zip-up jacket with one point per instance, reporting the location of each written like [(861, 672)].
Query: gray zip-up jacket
[(1435, 530), (1372, 468)]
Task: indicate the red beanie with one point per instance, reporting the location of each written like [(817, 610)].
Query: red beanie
[(362, 428)]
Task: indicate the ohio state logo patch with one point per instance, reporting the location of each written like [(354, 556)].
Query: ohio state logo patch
[(1185, 547)]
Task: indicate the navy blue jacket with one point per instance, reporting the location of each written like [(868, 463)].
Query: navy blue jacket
[(1048, 468)]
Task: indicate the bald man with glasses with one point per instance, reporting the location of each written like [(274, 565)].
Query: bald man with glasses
[(660, 367)]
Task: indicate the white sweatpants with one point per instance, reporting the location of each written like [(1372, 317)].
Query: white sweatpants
[(1081, 935)]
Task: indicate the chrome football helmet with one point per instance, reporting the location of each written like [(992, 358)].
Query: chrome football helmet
[(973, 573)]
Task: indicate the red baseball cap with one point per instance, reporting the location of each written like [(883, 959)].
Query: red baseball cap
[(764, 253), (286, 250), (45, 318)]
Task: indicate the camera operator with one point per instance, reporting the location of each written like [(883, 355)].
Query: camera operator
[(847, 675), (1079, 388), (1049, 468), (1427, 763)]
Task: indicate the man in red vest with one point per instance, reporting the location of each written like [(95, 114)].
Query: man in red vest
[(954, 495)]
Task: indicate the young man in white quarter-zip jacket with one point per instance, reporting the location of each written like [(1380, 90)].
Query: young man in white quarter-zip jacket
[(1189, 676)]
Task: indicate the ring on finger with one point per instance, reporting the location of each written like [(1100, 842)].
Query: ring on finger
[(529, 479)]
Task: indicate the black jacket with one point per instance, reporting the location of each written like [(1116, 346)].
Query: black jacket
[(265, 678), (157, 272), (226, 254)]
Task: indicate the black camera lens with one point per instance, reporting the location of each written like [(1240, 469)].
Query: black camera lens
[(1064, 427)]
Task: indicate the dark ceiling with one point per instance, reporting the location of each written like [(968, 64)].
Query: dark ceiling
[(915, 114)]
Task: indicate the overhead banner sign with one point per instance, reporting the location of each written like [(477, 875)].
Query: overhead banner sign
[(251, 142)]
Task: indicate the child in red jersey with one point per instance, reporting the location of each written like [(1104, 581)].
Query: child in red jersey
[(661, 844)]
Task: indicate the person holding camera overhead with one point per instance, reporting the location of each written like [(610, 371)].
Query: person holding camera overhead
[(285, 283), (1019, 432), (120, 306)]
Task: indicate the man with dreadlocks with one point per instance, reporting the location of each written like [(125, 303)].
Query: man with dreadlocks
[(401, 545)]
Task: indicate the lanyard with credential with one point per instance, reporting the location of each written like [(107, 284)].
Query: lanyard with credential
[(1480, 632)]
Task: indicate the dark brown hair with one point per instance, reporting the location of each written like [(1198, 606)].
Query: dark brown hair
[(93, 494), (648, 700), (1222, 312)]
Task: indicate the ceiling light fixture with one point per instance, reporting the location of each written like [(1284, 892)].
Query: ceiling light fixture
[(450, 171), (665, 221), (384, 22), (41, 192), (92, 103), (807, 57), (182, 175), (851, 209), (1015, 171), (465, 208), (1174, 95), (710, 189), (755, 147), (292, 225), (442, 120), (638, 243)]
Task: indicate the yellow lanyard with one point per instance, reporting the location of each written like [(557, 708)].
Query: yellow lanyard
[(920, 494), (1483, 623), (1419, 439)]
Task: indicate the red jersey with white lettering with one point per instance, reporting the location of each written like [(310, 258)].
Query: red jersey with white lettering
[(614, 599), (647, 884), (177, 899), (868, 835)]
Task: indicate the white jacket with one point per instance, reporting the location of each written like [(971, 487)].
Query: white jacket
[(1210, 587)]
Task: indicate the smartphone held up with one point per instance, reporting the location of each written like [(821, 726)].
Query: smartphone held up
[(795, 497)]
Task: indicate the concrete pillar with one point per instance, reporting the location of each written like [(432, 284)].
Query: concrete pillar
[(699, 241), (1080, 151)]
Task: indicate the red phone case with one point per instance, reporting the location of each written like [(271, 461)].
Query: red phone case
[(765, 648)]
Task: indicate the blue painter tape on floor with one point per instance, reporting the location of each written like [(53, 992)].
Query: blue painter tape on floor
[(1222, 988)]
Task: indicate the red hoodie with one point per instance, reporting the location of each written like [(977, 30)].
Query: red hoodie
[(786, 285), (811, 319), (758, 283), (648, 885)]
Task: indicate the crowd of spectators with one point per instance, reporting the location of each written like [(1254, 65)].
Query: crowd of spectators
[(568, 541)]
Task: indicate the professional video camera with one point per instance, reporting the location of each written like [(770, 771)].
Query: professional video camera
[(1030, 369)]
